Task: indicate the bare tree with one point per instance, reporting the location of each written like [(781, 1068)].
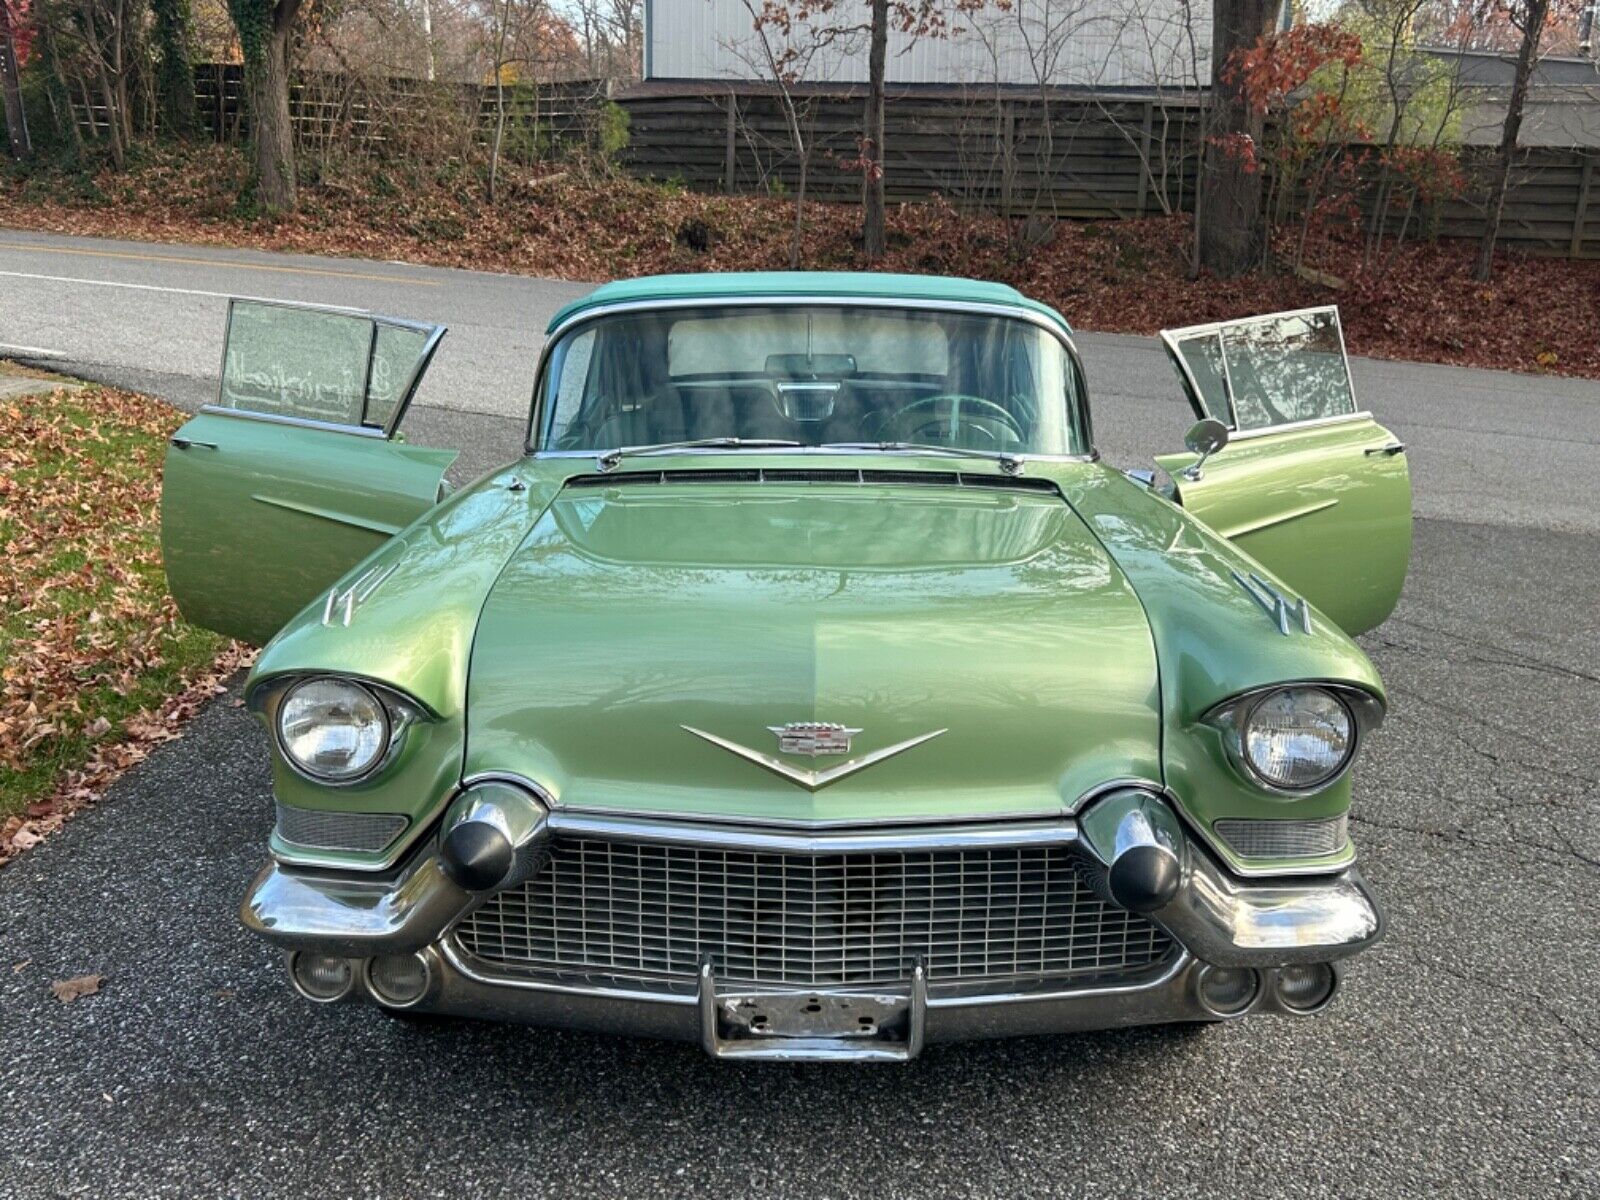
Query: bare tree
[(783, 54), (1527, 16), (843, 24)]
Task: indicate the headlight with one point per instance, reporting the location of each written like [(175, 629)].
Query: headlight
[(333, 729), (1297, 738)]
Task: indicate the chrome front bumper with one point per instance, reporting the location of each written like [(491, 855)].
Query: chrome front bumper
[(1218, 921)]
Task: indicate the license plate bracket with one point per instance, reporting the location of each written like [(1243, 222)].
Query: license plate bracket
[(819, 1025)]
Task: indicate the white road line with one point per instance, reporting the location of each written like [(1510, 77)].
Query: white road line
[(32, 351), (150, 287)]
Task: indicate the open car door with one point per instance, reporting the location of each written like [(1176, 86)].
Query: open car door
[(1312, 488), (295, 474)]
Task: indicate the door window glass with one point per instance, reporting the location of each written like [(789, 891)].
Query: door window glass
[(315, 365), (1287, 368), (396, 353), (1203, 356)]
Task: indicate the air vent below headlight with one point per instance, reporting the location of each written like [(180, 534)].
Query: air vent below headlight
[(316, 829), (1284, 839)]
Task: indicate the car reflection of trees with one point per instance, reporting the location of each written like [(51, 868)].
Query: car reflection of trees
[(1287, 369)]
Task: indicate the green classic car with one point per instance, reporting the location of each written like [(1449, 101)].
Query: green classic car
[(809, 688)]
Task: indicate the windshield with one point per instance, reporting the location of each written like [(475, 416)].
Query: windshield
[(812, 375)]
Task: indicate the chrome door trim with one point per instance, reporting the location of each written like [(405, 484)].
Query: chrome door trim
[(367, 431), (1244, 435)]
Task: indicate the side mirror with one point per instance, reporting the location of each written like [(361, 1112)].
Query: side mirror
[(1204, 438)]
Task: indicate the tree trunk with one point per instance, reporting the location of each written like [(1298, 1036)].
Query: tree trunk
[(175, 87), (499, 100), (266, 82), (11, 89), (874, 239), (1534, 14), (1230, 238)]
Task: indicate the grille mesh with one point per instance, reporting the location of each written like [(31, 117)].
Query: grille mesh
[(1284, 839), (338, 830), (647, 914)]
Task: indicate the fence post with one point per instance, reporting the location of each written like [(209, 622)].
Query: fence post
[(1144, 156), (733, 145), (1581, 214), (1008, 151)]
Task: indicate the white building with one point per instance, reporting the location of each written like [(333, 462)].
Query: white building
[(1120, 44)]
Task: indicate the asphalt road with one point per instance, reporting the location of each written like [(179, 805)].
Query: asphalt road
[(1463, 1057)]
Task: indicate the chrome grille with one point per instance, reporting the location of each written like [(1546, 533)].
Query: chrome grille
[(318, 830), (645, 913), (1284, 839)]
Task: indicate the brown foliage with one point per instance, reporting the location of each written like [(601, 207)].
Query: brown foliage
[(1127, 277)]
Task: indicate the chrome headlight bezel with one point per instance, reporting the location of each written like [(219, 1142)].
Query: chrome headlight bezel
[(399, 714), (1231, 719)]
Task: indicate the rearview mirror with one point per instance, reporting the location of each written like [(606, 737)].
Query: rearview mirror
[(1204, 438)]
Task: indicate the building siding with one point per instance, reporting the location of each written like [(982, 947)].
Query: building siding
[(1062, 43)]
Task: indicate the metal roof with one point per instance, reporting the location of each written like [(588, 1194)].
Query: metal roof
[(753, 286)]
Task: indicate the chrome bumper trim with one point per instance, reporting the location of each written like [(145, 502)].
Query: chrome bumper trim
[(1170, 997)]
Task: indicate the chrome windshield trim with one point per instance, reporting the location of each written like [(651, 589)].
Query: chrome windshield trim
[(1056, 832), (821, 451), (1019, 312)]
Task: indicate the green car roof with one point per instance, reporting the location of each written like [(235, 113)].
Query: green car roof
[(755, 285)]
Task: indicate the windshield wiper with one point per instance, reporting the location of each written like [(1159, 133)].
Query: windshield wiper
[(609, 459), (1011, 464)]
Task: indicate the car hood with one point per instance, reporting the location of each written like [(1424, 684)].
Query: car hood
[(639, 611)]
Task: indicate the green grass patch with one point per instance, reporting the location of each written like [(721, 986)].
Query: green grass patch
[(91, 645)]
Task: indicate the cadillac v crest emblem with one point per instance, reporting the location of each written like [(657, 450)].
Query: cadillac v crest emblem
[(813, 738)]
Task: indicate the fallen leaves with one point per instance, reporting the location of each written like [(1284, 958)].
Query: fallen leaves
[(68, 990), (1419, 302), (96, 665)]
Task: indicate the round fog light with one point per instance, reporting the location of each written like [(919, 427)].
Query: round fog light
[(1227, 991), (398, 979), (321, 977), (1305, 987)]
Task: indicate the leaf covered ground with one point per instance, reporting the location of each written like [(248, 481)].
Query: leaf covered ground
[(1539, 314), (96, 666)]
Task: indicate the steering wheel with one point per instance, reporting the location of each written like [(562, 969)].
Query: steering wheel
[(989, 415)]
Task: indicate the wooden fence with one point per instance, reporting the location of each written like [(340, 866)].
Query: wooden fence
[(1062, 155), (368, 111), (1071, 156)]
